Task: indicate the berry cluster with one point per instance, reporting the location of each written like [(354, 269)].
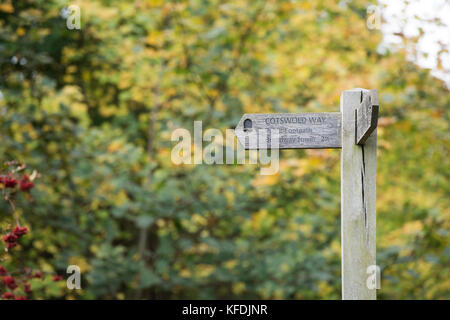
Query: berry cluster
[(12, 182), (10, 283), (12, 237), (25, 183)]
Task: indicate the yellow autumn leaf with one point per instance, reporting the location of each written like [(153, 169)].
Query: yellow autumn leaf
[(185, 273), (6, 7), (155, 38), (285, 267), (230, 197), (20, 31), (108, 111), (114, 146), (81, 262), (238, 287), (155, 3), (324, 288), (267, 180), (120, 198), (204, 270), (230, 264)]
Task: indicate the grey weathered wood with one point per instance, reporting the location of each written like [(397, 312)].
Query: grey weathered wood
[(358, 199), (293, 130), (366, 115)]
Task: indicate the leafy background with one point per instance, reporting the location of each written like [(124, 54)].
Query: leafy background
[(93, 111)]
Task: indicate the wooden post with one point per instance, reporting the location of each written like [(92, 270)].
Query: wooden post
[(358, 199)]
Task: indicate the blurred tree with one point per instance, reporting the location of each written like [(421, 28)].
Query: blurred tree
[(93, 111)]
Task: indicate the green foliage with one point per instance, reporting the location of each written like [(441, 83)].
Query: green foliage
[(93, 111)]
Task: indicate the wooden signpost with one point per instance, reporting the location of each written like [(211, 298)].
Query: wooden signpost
[(293, 130), (353, 129)]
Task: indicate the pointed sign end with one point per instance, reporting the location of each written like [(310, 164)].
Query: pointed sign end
[(366, 116)]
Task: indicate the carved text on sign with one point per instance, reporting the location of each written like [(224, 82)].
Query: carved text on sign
[(293, 130)]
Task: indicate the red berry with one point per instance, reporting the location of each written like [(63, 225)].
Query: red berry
[(3, 271), (10, 282), (27, 288), (12, 245), (8, 295), (11, 240), (20, 298), (9, 182), (18, 231), (25, 183), (37, 274), (57, 278), (10, 237)]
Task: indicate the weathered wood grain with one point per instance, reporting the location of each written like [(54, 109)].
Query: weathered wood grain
[(358, 199), (366, 115), (290, 130)]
